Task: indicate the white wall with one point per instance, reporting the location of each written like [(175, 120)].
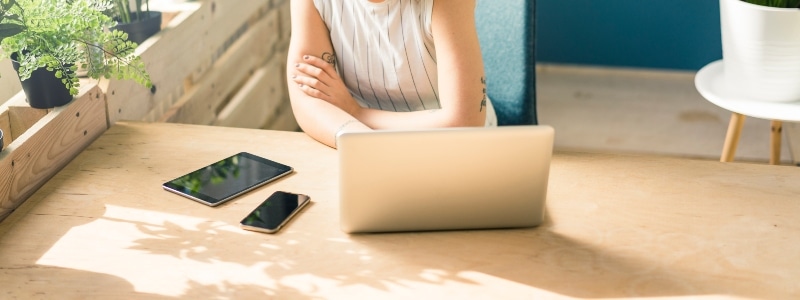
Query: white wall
[(9, 82)]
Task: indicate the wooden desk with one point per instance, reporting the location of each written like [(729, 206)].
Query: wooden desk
[(618, 226)]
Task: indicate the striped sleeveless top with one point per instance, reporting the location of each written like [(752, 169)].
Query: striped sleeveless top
[(384, 51)]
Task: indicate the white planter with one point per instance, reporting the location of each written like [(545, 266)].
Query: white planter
[(761, 50)]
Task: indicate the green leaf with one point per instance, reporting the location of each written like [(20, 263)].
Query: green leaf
[(62, 35), (9, 30)]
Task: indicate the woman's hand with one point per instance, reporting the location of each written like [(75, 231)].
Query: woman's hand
[(318, 78)]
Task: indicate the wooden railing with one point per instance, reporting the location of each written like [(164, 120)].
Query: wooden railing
[(214, 63)]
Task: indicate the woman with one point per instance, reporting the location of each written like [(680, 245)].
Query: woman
[(385, 64)]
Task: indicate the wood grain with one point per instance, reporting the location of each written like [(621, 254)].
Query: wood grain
[(618, 226), (257, 101), (23, 118), (5, 126), (183, 50), (231, 71), (49, 144)]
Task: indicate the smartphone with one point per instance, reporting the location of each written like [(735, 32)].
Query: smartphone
[(272, 214), (223, 180)]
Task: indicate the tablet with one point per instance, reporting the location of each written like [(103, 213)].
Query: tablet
[(221, 181)]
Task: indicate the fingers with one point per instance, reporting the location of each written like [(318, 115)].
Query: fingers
[(312, 71), (311, 86), (327, 67), (317, 68), (314, 76), (308, 79)]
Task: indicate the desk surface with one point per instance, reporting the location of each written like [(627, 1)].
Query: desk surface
[(618, 226)]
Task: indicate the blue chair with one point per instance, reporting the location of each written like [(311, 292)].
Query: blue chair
[(506, 30)]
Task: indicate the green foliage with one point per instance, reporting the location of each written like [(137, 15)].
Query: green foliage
[(123, 12), (10, 23), (776, 3), (61, 35)]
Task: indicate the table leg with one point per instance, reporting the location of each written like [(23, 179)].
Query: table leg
[(732, 137), (775, 143)]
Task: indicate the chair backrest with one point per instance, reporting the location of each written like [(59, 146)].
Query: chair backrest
[(506, 29)]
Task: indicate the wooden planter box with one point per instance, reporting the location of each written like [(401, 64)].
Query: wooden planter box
[(214, 63), (41, 142)]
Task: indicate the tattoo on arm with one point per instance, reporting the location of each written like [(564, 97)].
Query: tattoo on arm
[(483, 101), (328, 57)]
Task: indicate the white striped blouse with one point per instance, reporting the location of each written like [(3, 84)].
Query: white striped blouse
[(384, 51)]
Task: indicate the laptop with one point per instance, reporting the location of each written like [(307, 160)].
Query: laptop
[(444, 179)]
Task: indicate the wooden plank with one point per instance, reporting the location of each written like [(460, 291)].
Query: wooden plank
[(23, 118), (129, 101), (20, 116), (284, 10), (5, 121), (177, 52), (225, 38), (36, 155), (204, 99), (283, 119), (246, 109), (281, 57), (7, 204), (5, 126), (17, 99), (257, 101)]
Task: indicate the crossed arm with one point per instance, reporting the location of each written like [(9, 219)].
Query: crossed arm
[(324, 107)]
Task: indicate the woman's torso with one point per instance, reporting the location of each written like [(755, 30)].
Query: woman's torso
[(384, 51)]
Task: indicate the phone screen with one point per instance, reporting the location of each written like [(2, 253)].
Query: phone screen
[(274, 212), (227, 178)]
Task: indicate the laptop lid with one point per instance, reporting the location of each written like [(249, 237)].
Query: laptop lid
[(444, 179)]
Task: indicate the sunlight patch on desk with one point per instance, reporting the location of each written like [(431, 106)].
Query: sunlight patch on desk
[(134, 235)]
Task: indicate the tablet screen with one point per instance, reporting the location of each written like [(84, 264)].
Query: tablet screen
[(227, 178)]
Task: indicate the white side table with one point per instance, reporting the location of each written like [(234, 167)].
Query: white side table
[(711, 85)]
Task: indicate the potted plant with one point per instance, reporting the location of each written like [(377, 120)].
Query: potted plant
[(761, 48), (51, 39), (136, 20)]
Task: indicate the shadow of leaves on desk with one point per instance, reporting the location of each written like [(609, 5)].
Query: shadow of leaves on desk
[(205, 258), (301, 267), (311, 264), (184, 246)]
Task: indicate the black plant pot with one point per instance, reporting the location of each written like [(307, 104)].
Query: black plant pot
[(140, 29), (43, 89)]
